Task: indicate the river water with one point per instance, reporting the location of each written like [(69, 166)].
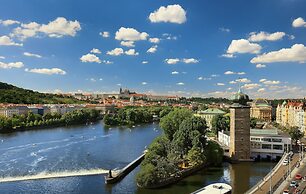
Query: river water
[(27, 157)]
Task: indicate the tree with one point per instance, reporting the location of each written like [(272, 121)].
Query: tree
[(219, 123), (171, 122), (295, 134), (253, 122)]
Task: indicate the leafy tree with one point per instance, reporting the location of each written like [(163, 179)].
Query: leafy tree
[(295, 134), (219, 123), (171, 122), (253, 122)]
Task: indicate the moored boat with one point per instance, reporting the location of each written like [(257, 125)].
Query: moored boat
[(215, 188)]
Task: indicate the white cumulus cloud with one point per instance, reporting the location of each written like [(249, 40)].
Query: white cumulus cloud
[(104, 34), (90, 58), (144, 62), (11, 65), (299, 22), (172, 61), (220, 84), (261, 36), (190, 60), (174, 72), (130, 34), (47, 71), (131, 52), (250, 86), (9, 22), (95, 51), (115, 52), (153, 49), (180, 84), (171, 13), (260, 66), (127, 43), (31, 55), (7, 41), (243, 46), (154, 40), (297, 53), (243, 80)]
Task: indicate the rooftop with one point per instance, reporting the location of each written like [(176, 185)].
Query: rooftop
[(212, 111)]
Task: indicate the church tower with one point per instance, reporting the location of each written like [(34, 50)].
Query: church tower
[(240, 147)]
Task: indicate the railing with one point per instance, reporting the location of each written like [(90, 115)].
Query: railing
[(267, 177)]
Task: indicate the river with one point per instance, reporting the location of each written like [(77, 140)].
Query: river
[(31, 156)]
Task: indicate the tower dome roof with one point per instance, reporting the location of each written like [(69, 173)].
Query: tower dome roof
[(240, 98)]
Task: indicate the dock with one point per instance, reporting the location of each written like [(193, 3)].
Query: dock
[(120, 174)]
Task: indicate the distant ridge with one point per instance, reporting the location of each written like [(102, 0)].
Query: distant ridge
[(12, 94)]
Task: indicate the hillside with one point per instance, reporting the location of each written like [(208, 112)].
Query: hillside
[(16, 95)]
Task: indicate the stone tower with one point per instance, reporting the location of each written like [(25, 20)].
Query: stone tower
[(240, 128)]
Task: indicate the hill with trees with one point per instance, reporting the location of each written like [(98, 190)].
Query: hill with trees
[(12, 94)]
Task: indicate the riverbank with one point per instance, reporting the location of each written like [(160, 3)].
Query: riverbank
[(32, 121)]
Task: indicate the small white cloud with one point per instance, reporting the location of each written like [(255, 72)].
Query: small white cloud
[(269, 82), (174, 72), (7, 41), (130, 34), (172, 61), (250, 86), (229, 73), (261, 36), (11, 65), (95, 51), (299, 22), (144, 62), (131, 52), (2, 57), (92, 80), (153, 49), (297, 53), (224, 29), (243, 80), (91, 58), (180, 84), (214, 75), (107, 62), (100, 79), (261, 90), (144, 83), (220, 84), (260, 66), (228, 55), (104, 34), (154, 40), (47, 71), (204, 78), (127, 43), (232, 82), (115, 52), (243, 46), (171, 13), (9, 22), (31, 55), (190, 60), (241, 73)]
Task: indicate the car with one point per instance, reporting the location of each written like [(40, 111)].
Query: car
[(285, 162), (298, 177), (286, 191), (294, 184)]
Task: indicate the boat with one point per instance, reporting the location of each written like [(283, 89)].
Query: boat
[(215, 188)]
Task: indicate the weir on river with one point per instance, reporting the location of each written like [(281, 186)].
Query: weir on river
[(49, 175)]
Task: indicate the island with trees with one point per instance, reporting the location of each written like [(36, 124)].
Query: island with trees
[(33, 121), (181, 150), (131, 115)]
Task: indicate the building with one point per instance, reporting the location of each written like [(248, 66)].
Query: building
[(291, 114), (261, 110), (265, 143), (209, 114), (239, 147), (9, 111)]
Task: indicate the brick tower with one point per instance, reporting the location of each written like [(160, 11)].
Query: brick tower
[(240, 128)]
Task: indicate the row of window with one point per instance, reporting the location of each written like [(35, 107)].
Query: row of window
[(266, 139)]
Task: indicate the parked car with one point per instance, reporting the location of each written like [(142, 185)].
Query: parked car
[(285, 162), (294, 184), (298, 177), (286, 191)]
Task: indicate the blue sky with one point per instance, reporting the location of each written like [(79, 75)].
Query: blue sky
[(198, 48)]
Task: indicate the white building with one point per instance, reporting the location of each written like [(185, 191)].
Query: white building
[(264, 142)]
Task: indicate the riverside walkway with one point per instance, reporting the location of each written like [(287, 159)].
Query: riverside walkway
[(274, 179)]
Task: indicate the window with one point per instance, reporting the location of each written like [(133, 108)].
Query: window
[(277, 147), (266, 139), (266, 146), (276, 140)]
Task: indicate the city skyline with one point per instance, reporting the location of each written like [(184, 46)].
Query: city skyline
[(162, 47)]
